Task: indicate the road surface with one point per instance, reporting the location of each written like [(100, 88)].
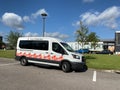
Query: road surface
[(13, 76)]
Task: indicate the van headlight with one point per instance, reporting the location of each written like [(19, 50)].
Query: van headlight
[(76, 56)]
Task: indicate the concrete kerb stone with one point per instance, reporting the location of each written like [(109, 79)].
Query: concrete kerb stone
[(117, 71), (110, 71), (107, 71), (7, 59)]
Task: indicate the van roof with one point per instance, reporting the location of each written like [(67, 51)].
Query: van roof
[(40, 38)]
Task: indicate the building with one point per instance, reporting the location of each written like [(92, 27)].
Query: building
[(110, 44), (1, 41), (117, 42), (77, 46), (101, 45)]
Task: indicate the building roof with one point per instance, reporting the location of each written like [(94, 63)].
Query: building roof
[(107, 40), (117, 32)]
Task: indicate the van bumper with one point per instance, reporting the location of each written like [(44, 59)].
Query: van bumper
[(79, 66)]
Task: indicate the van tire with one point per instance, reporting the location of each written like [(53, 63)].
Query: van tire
[(66, 67), (23, 61), (85, 68)]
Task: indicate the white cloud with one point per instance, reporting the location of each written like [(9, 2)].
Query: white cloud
[(56, 35), (30, 34), (76, 23), (27, 19), (38, 13), (88, 1), (13, 20), (34, 16), (107, 18)]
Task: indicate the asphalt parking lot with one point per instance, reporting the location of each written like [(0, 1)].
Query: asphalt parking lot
[(13, 76)]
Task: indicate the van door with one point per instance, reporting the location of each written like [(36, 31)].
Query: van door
[(57, 52)]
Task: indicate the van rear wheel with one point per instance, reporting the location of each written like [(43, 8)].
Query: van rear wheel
[(23, 61), (66, 67)]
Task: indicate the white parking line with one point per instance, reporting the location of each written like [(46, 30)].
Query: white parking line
[(94, 76), (8, 64)]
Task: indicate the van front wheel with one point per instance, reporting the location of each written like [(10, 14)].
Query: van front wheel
[(23, 61), (66, 67)]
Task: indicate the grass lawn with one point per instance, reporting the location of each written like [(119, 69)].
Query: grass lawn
[(7, 53), (95, 61), (99, 61)]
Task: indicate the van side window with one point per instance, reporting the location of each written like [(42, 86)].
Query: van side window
[(57, 48), (37, 45)]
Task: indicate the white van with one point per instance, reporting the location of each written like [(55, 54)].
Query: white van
[(49, 51)]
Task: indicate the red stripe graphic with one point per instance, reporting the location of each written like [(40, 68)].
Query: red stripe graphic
[(40, 56)]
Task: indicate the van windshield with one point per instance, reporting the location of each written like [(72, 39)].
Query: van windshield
[(67, 47)]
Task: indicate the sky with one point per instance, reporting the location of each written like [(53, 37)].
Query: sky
[(63, 17)]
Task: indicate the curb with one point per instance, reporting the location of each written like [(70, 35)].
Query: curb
[(117, 71), (7, 58), (111, 71), (107, 71)]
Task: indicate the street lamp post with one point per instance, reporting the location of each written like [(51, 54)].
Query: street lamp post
[(43, 17)]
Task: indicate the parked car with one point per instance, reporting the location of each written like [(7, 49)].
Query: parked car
[(83, 51), (105, 52)]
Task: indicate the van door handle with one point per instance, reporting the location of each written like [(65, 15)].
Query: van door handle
[(46, 52), (51, 53)]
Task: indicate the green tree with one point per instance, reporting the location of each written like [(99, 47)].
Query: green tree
[(81, 34), (0, 44), (93, 38), (12, 39)]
